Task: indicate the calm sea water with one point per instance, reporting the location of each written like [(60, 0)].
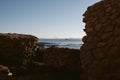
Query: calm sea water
[(64, 43)]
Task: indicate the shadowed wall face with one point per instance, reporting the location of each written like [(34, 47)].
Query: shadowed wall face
[(16, 49), (100, 53)]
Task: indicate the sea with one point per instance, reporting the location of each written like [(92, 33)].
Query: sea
[(62, 43)]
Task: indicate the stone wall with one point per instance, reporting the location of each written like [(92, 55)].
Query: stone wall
[(61, 58), (16, 49), (100, 53)]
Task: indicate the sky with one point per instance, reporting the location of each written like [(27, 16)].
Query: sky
[(44, 18)]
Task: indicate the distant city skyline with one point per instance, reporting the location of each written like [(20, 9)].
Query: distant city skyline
[(44, 18)]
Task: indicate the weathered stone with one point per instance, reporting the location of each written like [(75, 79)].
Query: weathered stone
[(117, 41), (108, 27), (106, 36), (89, 46), (100, 56), (98, 27), (5, 73), (96, 39), (114, 51), (98, 53), (61, 58), (101, 44), (104, 19), (118, 21), (90, 29), (86, 39), (115, 15), (16, 49), (117, 31)]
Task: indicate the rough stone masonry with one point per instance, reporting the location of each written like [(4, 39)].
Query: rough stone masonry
[(16, 49), (100, 53)]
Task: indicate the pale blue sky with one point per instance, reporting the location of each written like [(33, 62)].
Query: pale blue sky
[(44, 18)]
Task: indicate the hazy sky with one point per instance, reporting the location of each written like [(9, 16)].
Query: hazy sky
[(44, 18)]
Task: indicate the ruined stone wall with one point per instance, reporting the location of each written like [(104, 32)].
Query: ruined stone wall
[(100, 53), (61, 58), (16, 49)]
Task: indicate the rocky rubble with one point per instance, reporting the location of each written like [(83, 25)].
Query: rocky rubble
[(22, 58), (100, 53), (4, 72)]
